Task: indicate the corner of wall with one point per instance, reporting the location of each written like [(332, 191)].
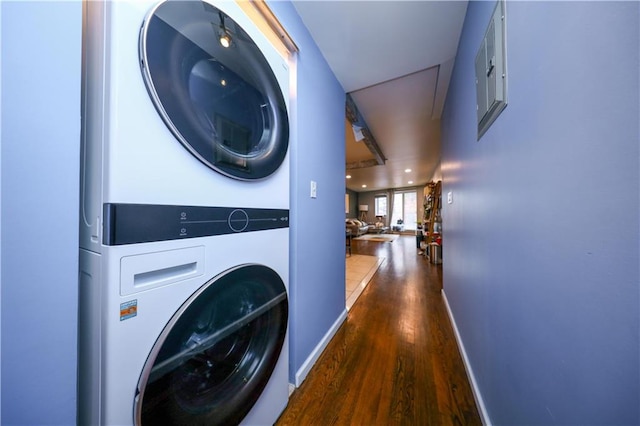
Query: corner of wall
[(306, 366), (477, 395)]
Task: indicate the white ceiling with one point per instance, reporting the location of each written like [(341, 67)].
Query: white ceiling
[(395, 60)]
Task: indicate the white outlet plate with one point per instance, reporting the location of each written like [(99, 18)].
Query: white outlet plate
[(449, 197)]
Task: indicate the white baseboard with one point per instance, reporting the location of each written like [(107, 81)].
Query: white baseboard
[(467, 366), (301, 374)]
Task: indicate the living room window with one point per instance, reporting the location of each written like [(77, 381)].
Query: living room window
[(381, 205), (405, 208)]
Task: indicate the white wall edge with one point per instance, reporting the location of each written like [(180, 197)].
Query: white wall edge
[(484, 415), (302, 372)]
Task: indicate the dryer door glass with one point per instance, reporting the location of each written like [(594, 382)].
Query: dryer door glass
[(224, 104), (216, 355)]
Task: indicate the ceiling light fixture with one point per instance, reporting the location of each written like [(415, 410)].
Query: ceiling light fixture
[(357, 132), (407, 170), (364, 186), (225, 37), (225, 40), (410, 182), (348, 176)]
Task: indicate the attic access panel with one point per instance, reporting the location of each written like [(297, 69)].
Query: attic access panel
[(491, 71)]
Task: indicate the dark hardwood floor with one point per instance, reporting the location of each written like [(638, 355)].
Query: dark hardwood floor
[(395, 358)]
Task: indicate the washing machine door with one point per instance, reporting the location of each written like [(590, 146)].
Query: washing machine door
[(217, 353), (224, 104)]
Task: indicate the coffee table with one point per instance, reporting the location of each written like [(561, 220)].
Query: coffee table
[(374, 230)]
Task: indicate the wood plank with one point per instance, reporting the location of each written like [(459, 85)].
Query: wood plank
[(395, 360)]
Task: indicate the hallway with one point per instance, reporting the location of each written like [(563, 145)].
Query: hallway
[(395, 358)]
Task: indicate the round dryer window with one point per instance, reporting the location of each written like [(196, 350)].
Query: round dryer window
[(216, 355), (214, 89)]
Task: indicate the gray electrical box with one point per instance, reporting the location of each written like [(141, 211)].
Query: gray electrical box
[(491, 71)]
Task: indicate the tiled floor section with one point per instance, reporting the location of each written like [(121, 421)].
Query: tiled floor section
[(360, 269)]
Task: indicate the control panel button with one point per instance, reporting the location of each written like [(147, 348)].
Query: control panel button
[(238, 220)]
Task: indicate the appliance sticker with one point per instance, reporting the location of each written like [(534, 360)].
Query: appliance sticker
[(128, 309)]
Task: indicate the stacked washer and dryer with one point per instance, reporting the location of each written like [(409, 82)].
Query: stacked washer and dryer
[(184, 251)]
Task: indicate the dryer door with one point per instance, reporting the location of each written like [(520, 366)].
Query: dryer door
[(224, 104), (216, 355)]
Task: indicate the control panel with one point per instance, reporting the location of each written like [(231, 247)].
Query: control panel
[(143, 223), (491, 71)]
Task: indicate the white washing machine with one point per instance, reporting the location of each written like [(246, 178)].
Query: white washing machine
[(174, 118), (183, 333), (184, 235)]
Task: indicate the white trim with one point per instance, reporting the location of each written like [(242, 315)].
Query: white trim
[(484, 415), (301, 374)]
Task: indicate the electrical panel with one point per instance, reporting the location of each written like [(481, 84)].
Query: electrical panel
[(491, 71)]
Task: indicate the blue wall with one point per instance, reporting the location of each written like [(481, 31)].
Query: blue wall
[(40, 153), (41, 50), (317, 229), (541, 258)]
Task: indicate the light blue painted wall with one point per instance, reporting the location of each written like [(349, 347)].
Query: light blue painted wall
[(41, 48), (541, 261), (317, 229), (0, 221), (39, 303)]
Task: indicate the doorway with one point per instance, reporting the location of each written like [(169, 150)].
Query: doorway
[(404, 213)]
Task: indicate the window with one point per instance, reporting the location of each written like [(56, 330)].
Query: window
[(381, 205), (405, 208)]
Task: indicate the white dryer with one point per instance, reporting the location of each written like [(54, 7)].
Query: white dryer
[(184, 235), (171, 117)]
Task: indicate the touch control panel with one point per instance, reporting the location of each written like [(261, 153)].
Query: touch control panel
[(144, 223)]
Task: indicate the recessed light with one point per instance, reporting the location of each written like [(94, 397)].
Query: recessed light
[(407, 170), (410, 182), (364, 186), (225, 37), (348, 176)]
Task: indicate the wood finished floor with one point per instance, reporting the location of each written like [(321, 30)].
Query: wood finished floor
[(395, 358)]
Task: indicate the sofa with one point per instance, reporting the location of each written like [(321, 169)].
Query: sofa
[(356, 227)]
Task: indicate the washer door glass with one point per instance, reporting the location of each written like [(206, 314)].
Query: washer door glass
[(224, 104), (216, 355)]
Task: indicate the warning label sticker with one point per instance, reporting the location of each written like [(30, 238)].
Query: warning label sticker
[(128, 309)]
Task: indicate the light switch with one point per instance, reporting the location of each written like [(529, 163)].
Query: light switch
[(314, 187), (449, 197)]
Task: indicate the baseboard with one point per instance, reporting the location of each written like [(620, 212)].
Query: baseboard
[(302, 372), (467, 366)]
